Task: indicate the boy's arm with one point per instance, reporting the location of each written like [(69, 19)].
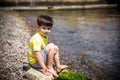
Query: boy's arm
[(41, 62), (40, 59)]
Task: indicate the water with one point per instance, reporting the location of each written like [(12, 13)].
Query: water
[(92, 32)]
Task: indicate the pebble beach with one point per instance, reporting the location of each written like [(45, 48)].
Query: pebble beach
[(13, 45)]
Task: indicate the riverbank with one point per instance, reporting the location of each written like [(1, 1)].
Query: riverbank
[(16, 28), (81, 7)]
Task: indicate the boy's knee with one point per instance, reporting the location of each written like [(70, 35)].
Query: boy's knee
[(52, 47), (56, 47)]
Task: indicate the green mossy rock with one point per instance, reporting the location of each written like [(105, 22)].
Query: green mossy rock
[(70, 75)]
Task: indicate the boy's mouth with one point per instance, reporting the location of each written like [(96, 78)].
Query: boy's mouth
[(45, 34)]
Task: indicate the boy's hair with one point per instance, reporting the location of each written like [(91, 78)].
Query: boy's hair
[(45, 21)]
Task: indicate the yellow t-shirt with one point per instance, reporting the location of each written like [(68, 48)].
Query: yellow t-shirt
[(37, 43)]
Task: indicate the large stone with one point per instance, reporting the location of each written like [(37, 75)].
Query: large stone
[(33, 74)]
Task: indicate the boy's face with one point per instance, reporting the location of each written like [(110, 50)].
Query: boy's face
[(45, 30)]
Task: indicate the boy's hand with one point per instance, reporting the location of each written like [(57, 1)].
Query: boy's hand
[(46, 72), (54, 73)]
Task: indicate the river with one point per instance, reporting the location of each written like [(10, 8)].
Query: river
[(91, 32)]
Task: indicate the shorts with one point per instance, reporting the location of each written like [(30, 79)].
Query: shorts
[(44, 54)]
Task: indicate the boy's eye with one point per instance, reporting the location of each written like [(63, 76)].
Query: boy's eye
[(46, 28), (43, 27), (49, 28)]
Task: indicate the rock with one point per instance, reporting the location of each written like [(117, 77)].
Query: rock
[(33, 74)]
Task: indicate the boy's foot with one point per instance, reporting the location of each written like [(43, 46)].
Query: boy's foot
[(61, 67), (47, 73), (53, 72)]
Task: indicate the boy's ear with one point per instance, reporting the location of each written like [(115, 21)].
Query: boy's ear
[(37, 28)]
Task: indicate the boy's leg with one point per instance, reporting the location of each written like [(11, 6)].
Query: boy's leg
[(51, 54), (57, 60)]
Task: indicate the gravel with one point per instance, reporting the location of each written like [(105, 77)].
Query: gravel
[(14, 35)]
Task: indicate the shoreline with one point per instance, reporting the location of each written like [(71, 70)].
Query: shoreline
[(81, 7)]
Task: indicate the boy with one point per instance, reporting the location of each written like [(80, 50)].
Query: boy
[(43, 53)]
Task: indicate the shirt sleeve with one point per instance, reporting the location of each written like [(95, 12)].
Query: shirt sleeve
[(36, 45)]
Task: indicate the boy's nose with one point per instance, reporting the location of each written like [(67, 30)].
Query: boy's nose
[(46, 29)]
